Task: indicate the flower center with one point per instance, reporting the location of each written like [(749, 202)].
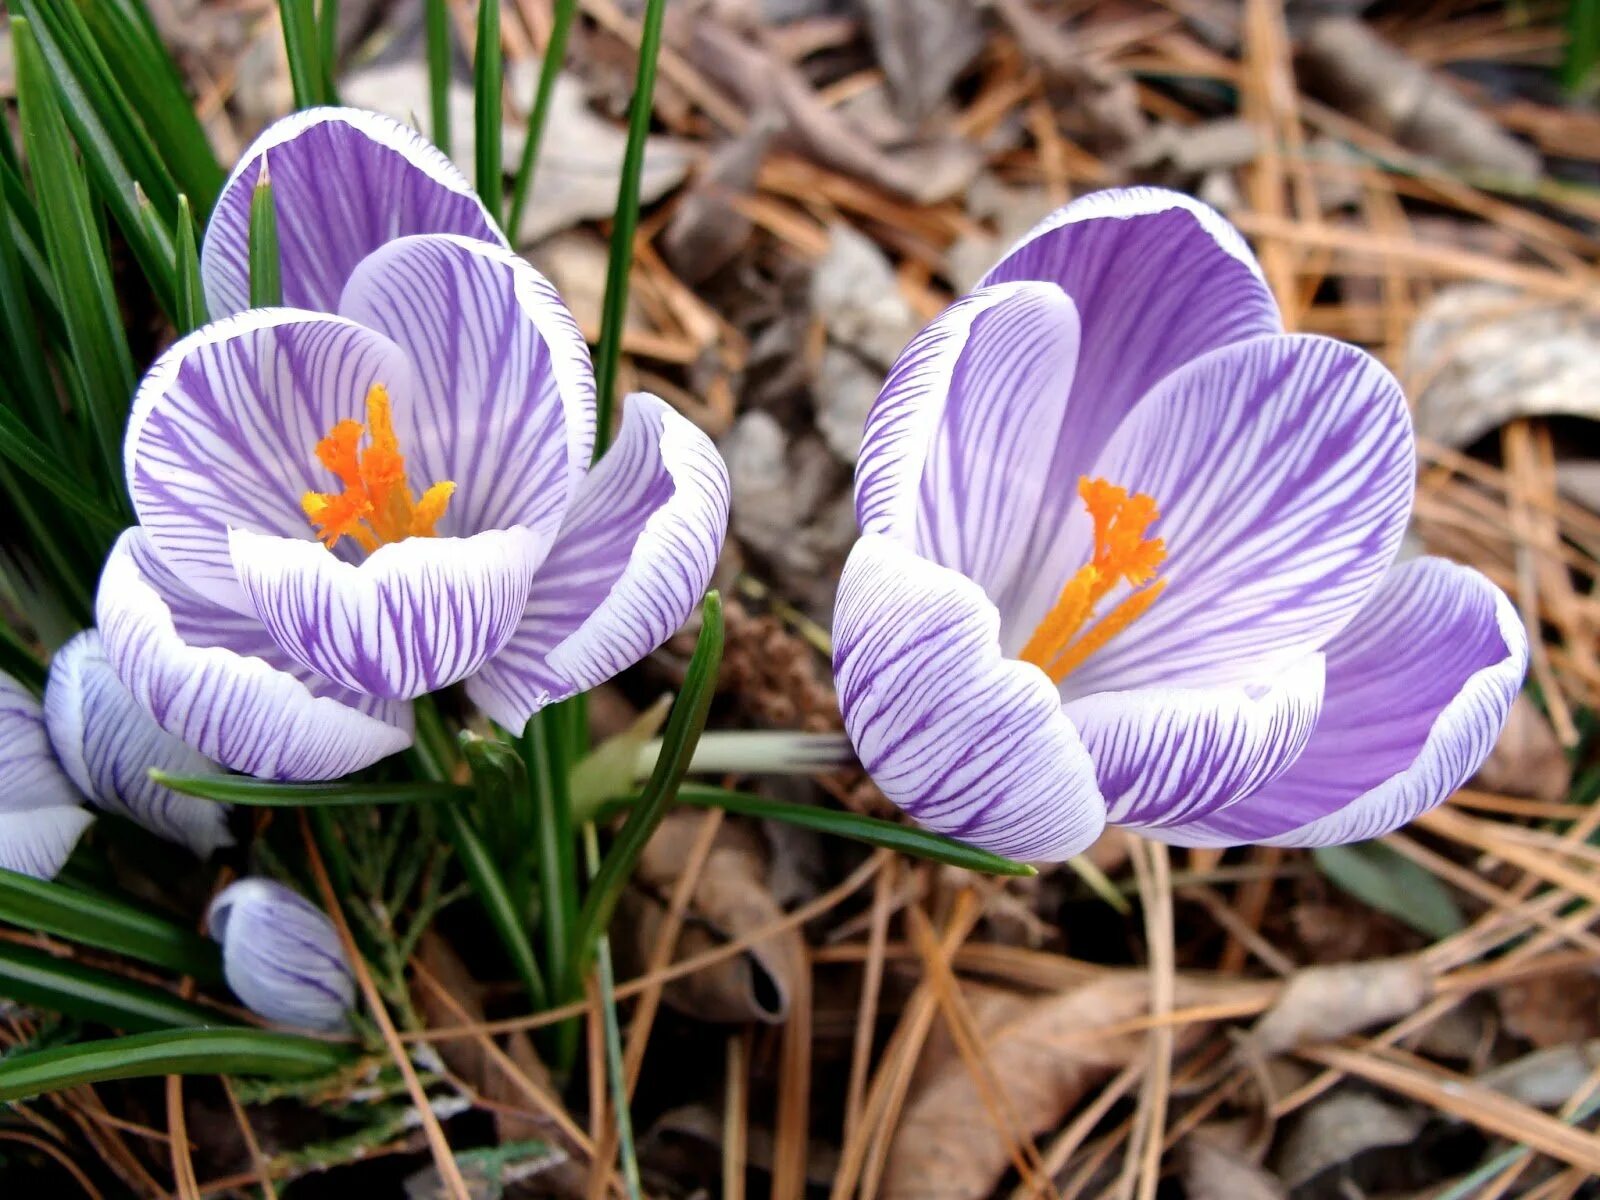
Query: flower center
[(1121, 552), (376, 506)]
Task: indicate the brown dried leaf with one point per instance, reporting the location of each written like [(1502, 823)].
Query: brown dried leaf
[(1044, 1059), (1546, 1078), (1551, 1010), (1334, 1130), (1324, 1003), (730, 899), (923, 47), (1212, 1172)]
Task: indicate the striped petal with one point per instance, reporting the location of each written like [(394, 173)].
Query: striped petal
[(1284, 469), (968, 742), (41, 813), (953, 463), (216, 681), (1420, 685), (281, 955), (39, 841), (344, 182), (631, 563), (504, 404), (108, 744), (224, 429), (1158, 279), (416, 616), (1172, 754)]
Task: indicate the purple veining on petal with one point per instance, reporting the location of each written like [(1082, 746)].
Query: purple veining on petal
[(631, 563), (969, 743), (108, 745), (224, 430), (416, 616), (1419, 687), (344, 183), (282, 956), (41, 813), (504, 402), (217, 682)]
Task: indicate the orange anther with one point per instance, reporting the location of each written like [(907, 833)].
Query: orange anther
[(1122, 553), (376, 506)]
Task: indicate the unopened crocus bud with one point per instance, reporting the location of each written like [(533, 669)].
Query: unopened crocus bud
[(41, 814), (281, 955), (107, 744)]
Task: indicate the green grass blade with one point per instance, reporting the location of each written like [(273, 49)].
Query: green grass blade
[(191, 312), (102, 366), (117, 152), (302, 46), (27, 373), (479, 866), (107, 923), (554, 846), (555, 56), (438, 24), (1578, 65), (266, 282), (60, 985), (328, 34), (684, 726), (33, 458), (126, 34), (488, 71), (624, 224), (266, 793), (170, 1052), (903, 839)]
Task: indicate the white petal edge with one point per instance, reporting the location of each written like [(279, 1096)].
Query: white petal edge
[(237, 710), (39, 841)]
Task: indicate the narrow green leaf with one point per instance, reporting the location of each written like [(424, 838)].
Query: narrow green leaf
[(555, 57), (1582, 58), (903, 839), (117, 152), (61, 985), (304, 50), (170, 1052), (438, 20), (616, 1075), (328, 31), (266, 793), (684, 726), (554, 846), (19, 660), (107, 923), (27, 234), (624, 224), (100, 361), (126, 34), (266, 283), (34, 459), (26, 370), (191, 312), (1391, 883), (478, 864), (488, 105)]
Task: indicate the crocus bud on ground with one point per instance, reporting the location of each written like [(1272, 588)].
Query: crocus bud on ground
[(281, 955)]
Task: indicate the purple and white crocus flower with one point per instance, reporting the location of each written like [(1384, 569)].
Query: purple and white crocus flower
[(1128, 557), (383, 487), (282, 956), (90, 739)]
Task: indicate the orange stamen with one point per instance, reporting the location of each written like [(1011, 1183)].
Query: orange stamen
[(376, 506), (1122, 553)]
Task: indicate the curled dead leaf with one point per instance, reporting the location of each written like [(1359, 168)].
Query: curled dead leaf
[(730, 900), (1324, 1003), (1527, 760), (1211, 1171)]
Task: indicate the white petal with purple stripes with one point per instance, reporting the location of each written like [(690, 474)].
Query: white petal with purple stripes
[(108, 745), (416, 616), (953, 462), (969, 743), (224, 429), (344, 182), (1284, 469), (631, 563), (1171, 754), (504, 400), (282, 956), (1158, 279), (41, 813), (215, 679), (1419, 687)]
